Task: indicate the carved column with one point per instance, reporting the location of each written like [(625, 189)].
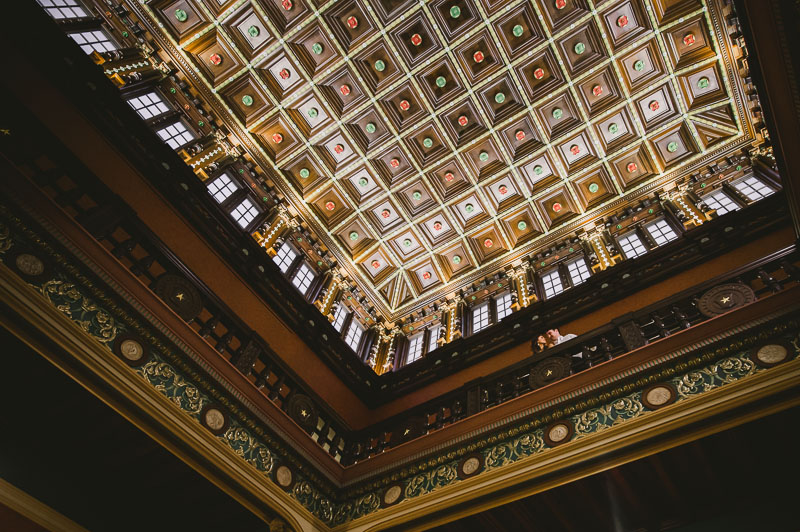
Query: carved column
[(276, 227), (605, 257), (692, 216), (382, 352), (333, 287)]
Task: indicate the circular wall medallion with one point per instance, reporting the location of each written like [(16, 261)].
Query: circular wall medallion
[(371, 127), (254, 31), (214, 419), (579, 48), (392, 495), (558, 113), (380, 66), (470, 465), (538, 73), (522, 225), (247, 100), (770, 354), (416, 39), (724, 298), (180, 295), (131, 350), (29, 265), (302, 410), (427, 142), (284, 477), (181, 15), (353, 235), (455, 12), (549, 370), (483, 156), (638, 66), (404, 105), (499, 97), (658, 395), (317, 48), (441, 81), (456, 259), (304, 173), (345, 90), (593, 188), (559, 432)]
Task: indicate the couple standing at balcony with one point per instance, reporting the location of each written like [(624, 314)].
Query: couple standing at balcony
[(551, 339)]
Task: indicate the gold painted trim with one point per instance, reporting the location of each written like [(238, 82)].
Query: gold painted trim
[(36, 510), (31, 307), (466, 494)]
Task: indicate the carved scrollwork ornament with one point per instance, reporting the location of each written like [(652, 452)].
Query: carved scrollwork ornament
[(724, 298), (549, 370), (214, 419), (301, 408)]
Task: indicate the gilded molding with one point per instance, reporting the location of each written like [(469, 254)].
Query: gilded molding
[(98, 314)]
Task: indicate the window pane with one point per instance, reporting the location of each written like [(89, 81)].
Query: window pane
[(148, 105), (339, 316), (632, 246), (552, 284), (303, 278), (503, 306), (353, 336), (720, 202), (245, 213), (176, 135), (93, 41), (578, 272), (222, 187), (753, 188), (414, 348), (661, 231), (284, 257), (435, 331), (480, 317), (63, 9)]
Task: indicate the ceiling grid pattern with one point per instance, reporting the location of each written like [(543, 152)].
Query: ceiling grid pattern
[(418, 210)]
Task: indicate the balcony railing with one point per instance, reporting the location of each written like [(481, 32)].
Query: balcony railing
[(616, 338)]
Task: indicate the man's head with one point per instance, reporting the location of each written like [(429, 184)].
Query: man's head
[(553, 334)]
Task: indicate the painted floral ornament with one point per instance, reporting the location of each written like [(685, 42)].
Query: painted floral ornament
[(560, 4), (215, 59), (597, 90), (538, 73), (339, 148), (329, 205), (689, 39), (448, 176), (287, 5), (631, 167), (426, 275), (370, 127), (363, 182), (557, 207), (353, 235), (502, 189), (416, 39), (456, 259), (385, 213), (638, 66), (345, 90), (517, 31), (427, 142), (622, 21), (437, 226), (284, 73), (394, 163), (181, 15), (575, 149), (522, 225), (654, 105), (519, 135), (483, 156), (247, 100), (463, 120), (376, 264), (404, 105), (317, 48), (277, 138), (304, 173), (558, 113), (352, 22), (478, 57), (488, 243), (254, 31), (593, 188)]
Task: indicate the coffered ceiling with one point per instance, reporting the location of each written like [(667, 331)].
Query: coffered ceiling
[(428, 144)]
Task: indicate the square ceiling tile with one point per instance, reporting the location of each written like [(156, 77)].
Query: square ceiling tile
[(559, 115), (416, 198), (309, 115), (349, 22), (503, 192), (361, 185), (463, 123), (595, 188), (403, 106), (486, 243), (426, 144), (277, 138), (455, 17), (393, 165), (436, 229), (521, 137), (541, 75), (314, 49), (582, 49), (249, 31), (454, 260), (305, 174), (634, 166), (368, 129), (332, 207), (439, 82), (378, 66), (624, 23), (336, 151), (247, 99), (540, 173), (286, 15), (521, 225), (449, 180), (415, 39), (500, 99), (483, 158), (342, 91), (519, 30), (673, 145), (557, 207), (280, 74), (478, 57), (469, 212)]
